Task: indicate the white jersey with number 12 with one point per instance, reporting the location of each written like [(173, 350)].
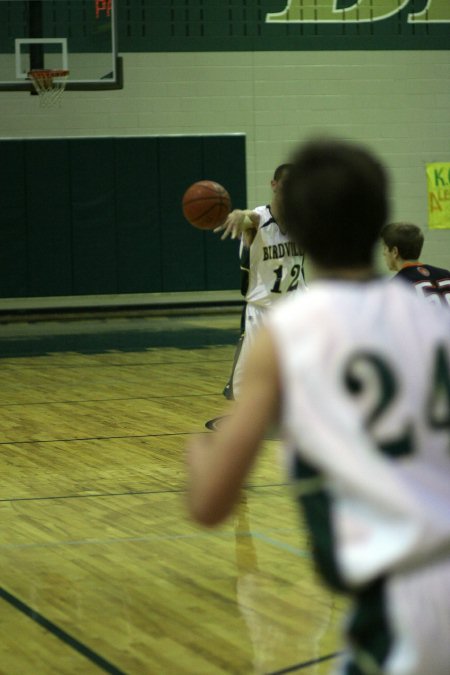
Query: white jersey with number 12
[(276, 263)]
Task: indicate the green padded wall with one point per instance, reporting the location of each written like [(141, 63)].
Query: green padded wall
[(48, 217), (219, 162), (89, 216), (13, 215), (139, 264), (93, 216), (182, 248)]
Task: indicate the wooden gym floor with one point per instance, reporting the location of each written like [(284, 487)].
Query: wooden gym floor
[(101, 570)]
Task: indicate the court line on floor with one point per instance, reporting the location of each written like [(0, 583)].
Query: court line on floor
[(102, 400), (305, 664), (123, 494), (104, 438), (281, 545), (194, 432), (150, 538), (111, 365), (61, 634)]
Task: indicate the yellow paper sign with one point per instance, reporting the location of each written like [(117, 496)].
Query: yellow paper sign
[(438, 178)]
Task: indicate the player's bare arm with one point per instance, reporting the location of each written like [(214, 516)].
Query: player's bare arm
[(239, 222), (219, 463)]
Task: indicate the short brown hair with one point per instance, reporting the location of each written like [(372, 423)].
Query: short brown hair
[(280, 170), (408, 239), (335, 202)]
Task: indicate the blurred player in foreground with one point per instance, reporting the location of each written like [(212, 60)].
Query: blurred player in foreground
[(402, 247), (271, 266), (357, 372)]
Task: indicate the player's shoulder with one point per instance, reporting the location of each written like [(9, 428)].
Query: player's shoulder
[(262, 209), (331, 304), (438, 272), (333, 295), (404, 294), (265, 215), (301, 302), (422, 271)]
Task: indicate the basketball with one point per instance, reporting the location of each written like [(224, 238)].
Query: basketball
[(206, 204)]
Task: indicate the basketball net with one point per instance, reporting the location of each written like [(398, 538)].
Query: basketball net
[(49, 84)]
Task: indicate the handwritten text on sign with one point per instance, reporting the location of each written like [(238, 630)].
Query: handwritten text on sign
[(438, 178)]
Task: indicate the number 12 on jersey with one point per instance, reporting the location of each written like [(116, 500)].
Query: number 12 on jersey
[(295, 273)]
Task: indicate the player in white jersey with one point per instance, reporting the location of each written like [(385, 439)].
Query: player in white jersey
[(357, 371), (271, 266)]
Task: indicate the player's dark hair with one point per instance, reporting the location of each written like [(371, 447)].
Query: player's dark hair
[(335, 202), (280, 170), (408, 239)]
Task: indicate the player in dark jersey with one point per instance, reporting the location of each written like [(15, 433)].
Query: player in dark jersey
[(402, 247)]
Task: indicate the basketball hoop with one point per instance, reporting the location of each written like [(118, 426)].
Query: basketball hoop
[(49, 84)]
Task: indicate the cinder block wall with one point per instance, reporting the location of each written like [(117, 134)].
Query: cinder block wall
[(397, 102)]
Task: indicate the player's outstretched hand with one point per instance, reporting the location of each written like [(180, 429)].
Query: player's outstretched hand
[(232, 227), (237, 222)]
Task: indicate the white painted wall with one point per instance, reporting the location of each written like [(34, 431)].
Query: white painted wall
[(396, 102)]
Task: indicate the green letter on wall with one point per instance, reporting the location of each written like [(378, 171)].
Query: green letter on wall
[(321, 11), (435, 11)]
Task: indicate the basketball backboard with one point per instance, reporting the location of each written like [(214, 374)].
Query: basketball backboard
[(75, 35)]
